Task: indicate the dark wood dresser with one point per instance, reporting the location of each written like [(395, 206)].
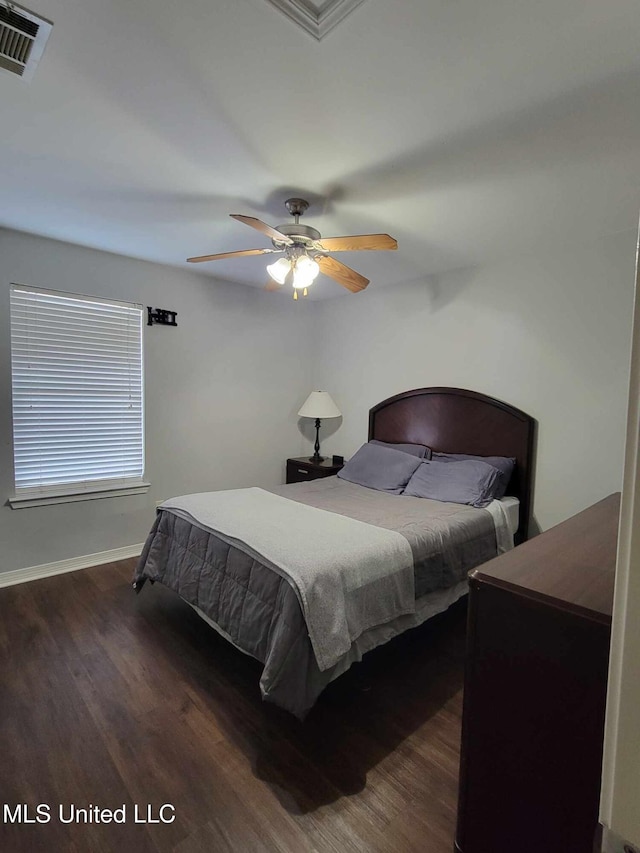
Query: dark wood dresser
[(535, 690)]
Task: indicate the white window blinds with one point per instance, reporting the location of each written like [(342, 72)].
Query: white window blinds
[(77, 392)]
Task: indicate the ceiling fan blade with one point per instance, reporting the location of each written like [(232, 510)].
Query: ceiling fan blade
[(360, 241), (239, 254), (272, 285), (259, 225), (343, 274)]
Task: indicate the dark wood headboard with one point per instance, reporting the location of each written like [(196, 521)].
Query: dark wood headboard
[(452, 420)]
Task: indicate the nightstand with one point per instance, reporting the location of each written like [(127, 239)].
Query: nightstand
[(302, 469)]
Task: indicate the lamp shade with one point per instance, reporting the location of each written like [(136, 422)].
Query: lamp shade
[(280, 270), (319, 405), (306, 271)]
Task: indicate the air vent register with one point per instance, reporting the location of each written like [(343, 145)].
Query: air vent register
[(23, 36)]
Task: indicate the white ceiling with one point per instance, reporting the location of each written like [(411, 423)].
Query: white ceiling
[(467, 130)]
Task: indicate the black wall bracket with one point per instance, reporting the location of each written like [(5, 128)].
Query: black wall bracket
[(161, 316)]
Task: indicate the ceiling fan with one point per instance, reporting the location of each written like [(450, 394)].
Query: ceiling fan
[(305, 252)]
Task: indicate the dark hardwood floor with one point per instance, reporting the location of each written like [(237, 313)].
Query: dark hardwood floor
[(110, 699)]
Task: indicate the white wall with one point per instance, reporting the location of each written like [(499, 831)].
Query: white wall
[(549, 334), (222, 392), (619, 809)]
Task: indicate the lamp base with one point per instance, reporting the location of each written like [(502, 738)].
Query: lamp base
[(316, 447)]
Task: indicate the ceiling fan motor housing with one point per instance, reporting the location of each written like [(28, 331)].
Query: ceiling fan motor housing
[(303, 235), (298, 233)]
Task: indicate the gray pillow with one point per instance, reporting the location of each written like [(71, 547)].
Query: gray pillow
[(380, 468), (504, 464), (419, 450), (465, 482)]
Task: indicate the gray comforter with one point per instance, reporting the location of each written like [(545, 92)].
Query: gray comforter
[(258, 608), (349, 575)]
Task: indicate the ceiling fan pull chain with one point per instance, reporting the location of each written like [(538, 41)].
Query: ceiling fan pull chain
[(304, 292), (295, 294)]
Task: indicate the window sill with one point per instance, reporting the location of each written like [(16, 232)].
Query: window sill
[(68, 496)]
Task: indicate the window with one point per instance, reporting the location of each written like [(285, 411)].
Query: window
[(76, 365)]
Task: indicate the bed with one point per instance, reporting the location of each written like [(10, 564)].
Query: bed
[(307, 578)]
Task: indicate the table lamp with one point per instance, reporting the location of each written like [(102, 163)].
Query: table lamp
[(318, 405)]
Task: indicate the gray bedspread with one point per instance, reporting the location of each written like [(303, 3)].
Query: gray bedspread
[(349, 575), (447, 540), (258, 609)]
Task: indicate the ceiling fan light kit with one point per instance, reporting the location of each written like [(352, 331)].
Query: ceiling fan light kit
[(306, 254), (279, 270), (305, 272)]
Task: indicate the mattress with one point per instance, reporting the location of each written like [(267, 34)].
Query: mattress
[(511, 508)]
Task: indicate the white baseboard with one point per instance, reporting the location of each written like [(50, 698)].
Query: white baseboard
[(32, 573)]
